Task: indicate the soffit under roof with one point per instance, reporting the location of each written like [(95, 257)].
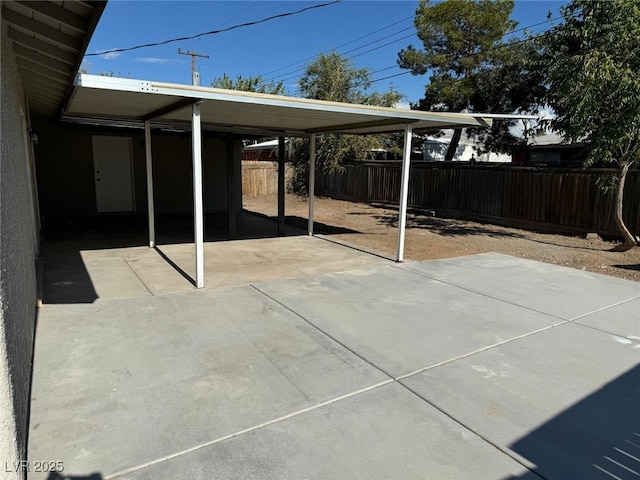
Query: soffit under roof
[(49, 40), (127, 102)]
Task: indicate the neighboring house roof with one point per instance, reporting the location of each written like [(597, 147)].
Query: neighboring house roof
[(554, 141), (435, 148), (446, 140), (49, 41), (547, 139), (270, 145)]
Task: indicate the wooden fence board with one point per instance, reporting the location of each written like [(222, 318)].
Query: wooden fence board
[(261, 177)]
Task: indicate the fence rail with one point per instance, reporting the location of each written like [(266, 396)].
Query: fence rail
[(559, 200)]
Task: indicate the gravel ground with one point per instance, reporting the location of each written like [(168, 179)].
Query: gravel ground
[(375, 226)]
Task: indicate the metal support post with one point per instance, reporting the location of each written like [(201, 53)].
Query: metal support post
[(404, 191), (312, 179), (198, 207), (281, 197), (149, 163)]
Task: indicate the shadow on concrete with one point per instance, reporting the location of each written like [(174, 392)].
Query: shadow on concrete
[(318, 227), (524, 476), (175, 266), (301, 224), (65, 276), (65, 237), (59, 476), (131, 230), (598, 437)]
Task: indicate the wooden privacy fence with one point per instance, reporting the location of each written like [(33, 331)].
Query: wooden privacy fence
[(261, 177), (559, 200)]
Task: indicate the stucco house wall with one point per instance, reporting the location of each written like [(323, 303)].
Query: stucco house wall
[(18, 251), (64, 157)]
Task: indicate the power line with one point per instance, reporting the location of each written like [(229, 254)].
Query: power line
[(352, 41), (407, 36), (381, 46), (505, 45), (354, 49), (212, 32), (383, 38), (241, 12), (360, 84), (339, 46), (549, 20)]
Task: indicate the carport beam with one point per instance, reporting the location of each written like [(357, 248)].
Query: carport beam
[(150, 206), (198, 210), (404, 191), (312, 179)]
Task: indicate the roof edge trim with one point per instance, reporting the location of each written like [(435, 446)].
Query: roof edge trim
[(100, 5)]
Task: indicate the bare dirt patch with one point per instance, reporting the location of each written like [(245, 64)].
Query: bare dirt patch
[(375, 226)]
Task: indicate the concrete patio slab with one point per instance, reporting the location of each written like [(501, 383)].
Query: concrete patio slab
[(560, 291), (82, 272), (402, 322), (245, 261), (123, 382), (385, 433), (563, 401), (365, 371), (67, 278)]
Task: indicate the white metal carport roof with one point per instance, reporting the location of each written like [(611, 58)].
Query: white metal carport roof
[(107, 99), (127, 102)]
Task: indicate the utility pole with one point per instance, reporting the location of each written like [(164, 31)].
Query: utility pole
[(195, 76)]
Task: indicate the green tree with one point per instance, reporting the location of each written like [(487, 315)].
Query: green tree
[(593, 62), (248, 84), (471, 67), (333, 77)]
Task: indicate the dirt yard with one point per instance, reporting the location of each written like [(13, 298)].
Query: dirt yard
[(375, 227)]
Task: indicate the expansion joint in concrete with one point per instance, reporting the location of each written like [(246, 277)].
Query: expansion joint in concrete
[(399, 267), (139, 278), (502, 450), (325, 333), (398, 380), (246, 430)]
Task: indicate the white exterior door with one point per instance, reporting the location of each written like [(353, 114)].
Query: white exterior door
[(113, 173)]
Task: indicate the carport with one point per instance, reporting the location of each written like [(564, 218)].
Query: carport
[(100, 100)]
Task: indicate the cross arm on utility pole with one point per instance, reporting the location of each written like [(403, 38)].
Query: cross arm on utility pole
[(194, 75)]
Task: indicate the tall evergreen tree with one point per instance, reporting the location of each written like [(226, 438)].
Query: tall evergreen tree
[(471, 67)]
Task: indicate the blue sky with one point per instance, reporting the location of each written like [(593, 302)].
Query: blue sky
[(370, 32)]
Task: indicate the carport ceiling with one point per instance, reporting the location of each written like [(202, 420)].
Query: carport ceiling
[(49, 40), (126, 102)]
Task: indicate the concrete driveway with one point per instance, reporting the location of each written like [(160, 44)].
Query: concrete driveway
[(480, 367)]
